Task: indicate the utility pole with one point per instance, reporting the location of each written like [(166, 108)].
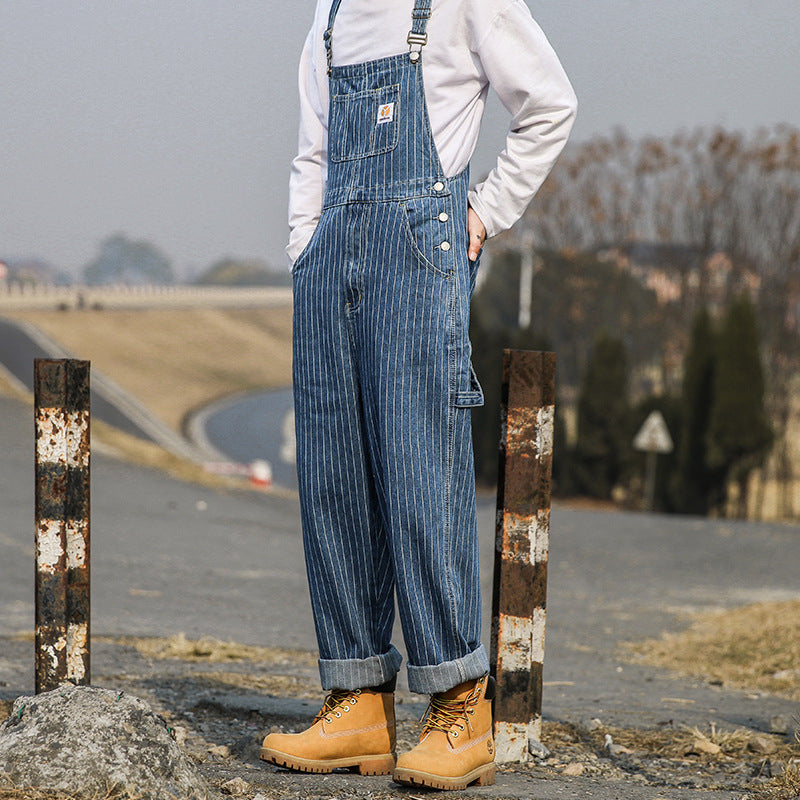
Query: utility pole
[(529, 266)]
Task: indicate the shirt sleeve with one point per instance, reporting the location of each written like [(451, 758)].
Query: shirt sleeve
[(309, 166), (525, 72)]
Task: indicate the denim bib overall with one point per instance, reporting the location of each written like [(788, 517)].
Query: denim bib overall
[(383, 388)]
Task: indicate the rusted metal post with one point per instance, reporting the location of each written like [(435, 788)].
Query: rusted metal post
[(61, 396), (521, 547)]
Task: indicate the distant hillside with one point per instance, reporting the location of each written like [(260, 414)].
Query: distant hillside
[(243, 272)]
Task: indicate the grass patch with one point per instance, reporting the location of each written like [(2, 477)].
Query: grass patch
[(668, 742), (754, 647), (212, 650), (175, 361), (8, 792)]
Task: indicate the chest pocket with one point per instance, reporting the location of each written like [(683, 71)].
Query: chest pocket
[(363, 123)]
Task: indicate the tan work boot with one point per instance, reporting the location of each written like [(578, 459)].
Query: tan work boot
[(456, 746), (353, 729)]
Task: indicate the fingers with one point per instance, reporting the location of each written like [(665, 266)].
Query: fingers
[(477, 234), (475, 245)]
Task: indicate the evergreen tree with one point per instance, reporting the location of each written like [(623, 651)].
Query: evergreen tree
[(603, 448), (695, 484), (739, 434)]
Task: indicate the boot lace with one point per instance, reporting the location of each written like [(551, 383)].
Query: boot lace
[(338, 698), (442, 715)]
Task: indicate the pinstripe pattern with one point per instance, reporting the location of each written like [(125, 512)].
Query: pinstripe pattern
[(383, 386)]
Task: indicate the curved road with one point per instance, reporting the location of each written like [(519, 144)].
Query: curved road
[(247, 427)]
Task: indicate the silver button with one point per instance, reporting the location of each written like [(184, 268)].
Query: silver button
[(444, 216), (445, 246), (438, 186)]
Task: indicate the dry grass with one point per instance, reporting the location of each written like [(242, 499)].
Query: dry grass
[(34, 793), (668, 742), (754, 647), (212, 650), (176, 361), (784, 787)]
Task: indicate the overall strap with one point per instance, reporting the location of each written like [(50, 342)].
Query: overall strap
[(418, 36), (328, 35)]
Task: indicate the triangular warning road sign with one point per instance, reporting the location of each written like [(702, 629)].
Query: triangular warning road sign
[(653, 436)]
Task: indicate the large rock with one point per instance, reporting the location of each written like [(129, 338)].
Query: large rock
[(85, 740)]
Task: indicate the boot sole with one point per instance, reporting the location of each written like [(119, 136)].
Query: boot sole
[(367, 765), (481, 776)]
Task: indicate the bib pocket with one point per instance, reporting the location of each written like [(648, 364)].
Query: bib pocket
[(364, 123)]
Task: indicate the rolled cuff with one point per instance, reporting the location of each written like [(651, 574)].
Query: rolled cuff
[(441, 677), (359, 673)]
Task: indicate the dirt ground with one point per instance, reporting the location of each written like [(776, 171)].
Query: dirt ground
[(220, 699)]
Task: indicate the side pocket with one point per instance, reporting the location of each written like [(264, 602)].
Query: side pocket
[(469, 398), (424, 234), (307, 249)]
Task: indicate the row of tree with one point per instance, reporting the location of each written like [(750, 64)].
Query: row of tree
[(121, 259), (718, 421), (704, 215)]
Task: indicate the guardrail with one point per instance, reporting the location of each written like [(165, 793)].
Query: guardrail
[(44, 297)]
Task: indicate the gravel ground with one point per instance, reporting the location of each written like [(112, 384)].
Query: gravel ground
[(220, 710)]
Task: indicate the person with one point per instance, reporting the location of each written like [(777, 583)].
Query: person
[(385, 243)]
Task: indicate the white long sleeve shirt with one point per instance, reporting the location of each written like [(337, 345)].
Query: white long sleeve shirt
[(472, 44)]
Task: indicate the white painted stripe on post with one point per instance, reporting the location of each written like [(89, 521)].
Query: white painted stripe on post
[(49, 544), (540, 540), (51, 436), (51, 651), (76, 543), (77, 434), (545, 421), (521, 641), (77, 642), (511, 740), (534, 530)]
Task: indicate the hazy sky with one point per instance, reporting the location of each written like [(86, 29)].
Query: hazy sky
[(175, 120)]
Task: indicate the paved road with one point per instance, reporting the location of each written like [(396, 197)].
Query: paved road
[(169, 556), (251, 426)]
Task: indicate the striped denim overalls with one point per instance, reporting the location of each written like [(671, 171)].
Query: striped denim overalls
[(383, 388)]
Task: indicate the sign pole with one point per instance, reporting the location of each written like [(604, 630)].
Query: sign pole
[(653, 438)]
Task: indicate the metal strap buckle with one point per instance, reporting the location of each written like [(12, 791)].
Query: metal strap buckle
[(417, 38), (327, 36)]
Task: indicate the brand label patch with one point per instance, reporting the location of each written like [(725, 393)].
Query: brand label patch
[(385, 113)]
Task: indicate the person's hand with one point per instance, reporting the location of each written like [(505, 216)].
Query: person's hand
[(477, 234)]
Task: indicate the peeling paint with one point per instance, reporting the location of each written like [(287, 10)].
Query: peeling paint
[(77, 452), (545, 421), (77, 652), (51, 436), (525, 538), (77, 530), (521, 641), (49, 545), (511, 740)]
